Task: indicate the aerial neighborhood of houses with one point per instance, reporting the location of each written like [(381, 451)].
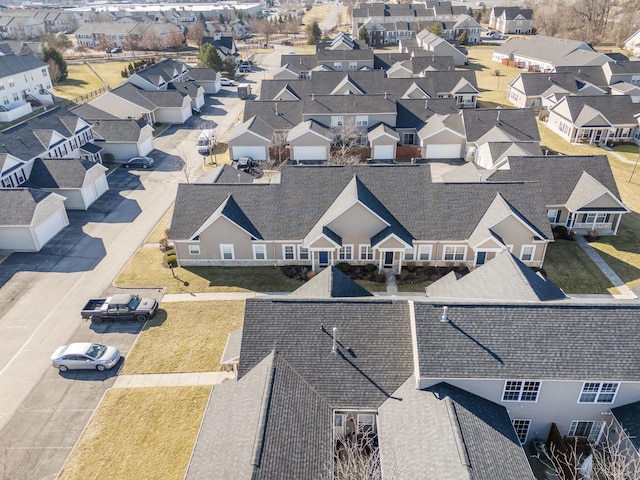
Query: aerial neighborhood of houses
[(376, 151)]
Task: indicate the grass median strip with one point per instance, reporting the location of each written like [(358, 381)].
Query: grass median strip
[(185, 337), (139, 433)]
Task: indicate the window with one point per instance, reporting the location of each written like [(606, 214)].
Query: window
[(259, 252), (366, 422), (353, 65), (1, 86), (12, 83), (586, 429), (595, 392), (520, 391), (553, 216), (527, 252), (424, 252), (346, 252), (362, 120), (596, 217), (337, 121), (44, 72), (337, 65), (365, 252), (408, 138), (409, 253), (454, 253), (303, 253), (16, 97), (194, 249), (288, 252), (226, 252), (364, 140), (522, 429)]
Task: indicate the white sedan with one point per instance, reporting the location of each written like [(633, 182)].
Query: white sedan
[(85, 355), (227, 82)]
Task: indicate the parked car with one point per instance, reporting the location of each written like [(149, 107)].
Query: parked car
[(119, 307), (245, 163), (116, 50), (139, 162), (85, 355), (227, 82)]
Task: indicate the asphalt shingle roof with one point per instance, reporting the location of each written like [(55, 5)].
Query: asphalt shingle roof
[(529, 341), (426, 210), (13, 64), (519, 124), (330, 283), (17, 205), (629, 417), (59, 173)]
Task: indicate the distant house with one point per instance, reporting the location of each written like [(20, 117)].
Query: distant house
[(632, 44), (23, 79), (435, 45), (541, 89), (508, 20), (207, 78), (225, 45)]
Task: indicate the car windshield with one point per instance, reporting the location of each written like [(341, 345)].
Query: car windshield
[(96, 350), (134, 302)]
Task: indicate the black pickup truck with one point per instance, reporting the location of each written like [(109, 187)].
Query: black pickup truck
[(120, 307)]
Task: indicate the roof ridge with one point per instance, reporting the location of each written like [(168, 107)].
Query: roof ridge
[(457, 432), (264, 411)]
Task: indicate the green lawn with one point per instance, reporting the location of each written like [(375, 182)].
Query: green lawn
[(622, 252), (185, 337), (413, 287), (139, 433), (571, 269), (630, 151), (372, 286)]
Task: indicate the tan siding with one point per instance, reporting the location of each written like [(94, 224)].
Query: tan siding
[(321, 242), (391, 243), (310, 140), (247, 138), (604, 201), (223, 231), (356, 225), (444, 136), (48, 207)]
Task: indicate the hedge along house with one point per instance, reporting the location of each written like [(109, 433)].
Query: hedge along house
[(379, 214)]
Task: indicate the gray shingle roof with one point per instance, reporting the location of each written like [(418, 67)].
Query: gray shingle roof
[(89, 112), (617, 109), (149, 99), (504, 278), (117, 130), (558, 175), (535, 83), (280, 115), (13, 64), (203, 74), (59, 173), (534, 341), (17, 205), (412, 113), (426, 210), (519, 124), (330, 283), (231, 351), (548, 49), (591, 74), (629, 417), (443, 432), (374, 345)]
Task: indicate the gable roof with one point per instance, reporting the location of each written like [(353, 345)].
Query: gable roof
[(547, 49), (440, 211), (60, 173), (629, 417), (17, 205), (516, 124), (12, 64), (503, 278), (149, 99), (558, 176), (617, 109), (443, 432), (330, 283), (541, 341)]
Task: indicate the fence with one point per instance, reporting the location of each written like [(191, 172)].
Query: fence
[(83, 98)]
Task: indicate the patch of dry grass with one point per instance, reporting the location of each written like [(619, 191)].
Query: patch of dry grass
[(493, 89), (139, 433), (185, 337), (110, 71), (158, 233), (80, 80), (146, 269)]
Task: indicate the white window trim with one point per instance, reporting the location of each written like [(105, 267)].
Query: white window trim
[(337, 120), (598, 393), (300, 247), (533, 252), (364, 251), (260, 246), (444, 253), (521, 391), (595, 437), (362, 120), (342, 252), (421, 251), (365, 416), (233, 254), (293, 249), (194, 249)]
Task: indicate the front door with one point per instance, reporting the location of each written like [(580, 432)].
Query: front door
[(388, 259), (481, 257), (598, 136), (323, 258)]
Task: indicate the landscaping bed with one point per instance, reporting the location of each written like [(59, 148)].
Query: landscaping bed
[(413, 273)]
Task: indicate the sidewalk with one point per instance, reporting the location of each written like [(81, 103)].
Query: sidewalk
[(625, 292), (205, 297), (171, 379)]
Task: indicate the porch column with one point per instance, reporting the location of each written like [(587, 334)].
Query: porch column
[(400, 262), (380, 265), (615, 230), (593, 226), (313, 260)]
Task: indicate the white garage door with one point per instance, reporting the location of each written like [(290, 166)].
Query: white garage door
[(435, 150), (101, 184), (89, 194), (383, 152), (49, 228), (257, 153), (309, 153)]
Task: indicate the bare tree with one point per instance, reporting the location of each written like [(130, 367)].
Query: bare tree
[(175, 39), (357, 457), (614, 458), (151, 40), (346, 148), (595, 15), (103, 41), (132, 42), (267, 28), (195, 34), (54, 71)]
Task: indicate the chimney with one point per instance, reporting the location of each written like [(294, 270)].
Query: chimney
[(239, 181), (498, 117), (444, 318), (276, 108), (334, 348), (426, 104)]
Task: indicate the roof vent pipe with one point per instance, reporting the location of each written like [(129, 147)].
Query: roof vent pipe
[(498, 118), (313, 96), (444, 318), (334, 348)]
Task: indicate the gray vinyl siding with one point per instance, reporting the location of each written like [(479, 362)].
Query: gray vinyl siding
[(557, 402)]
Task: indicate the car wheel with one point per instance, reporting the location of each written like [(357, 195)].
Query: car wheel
[(101, 368), (96, 320), (126, 166), (141, 318), (145, 166), (63, 368)]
